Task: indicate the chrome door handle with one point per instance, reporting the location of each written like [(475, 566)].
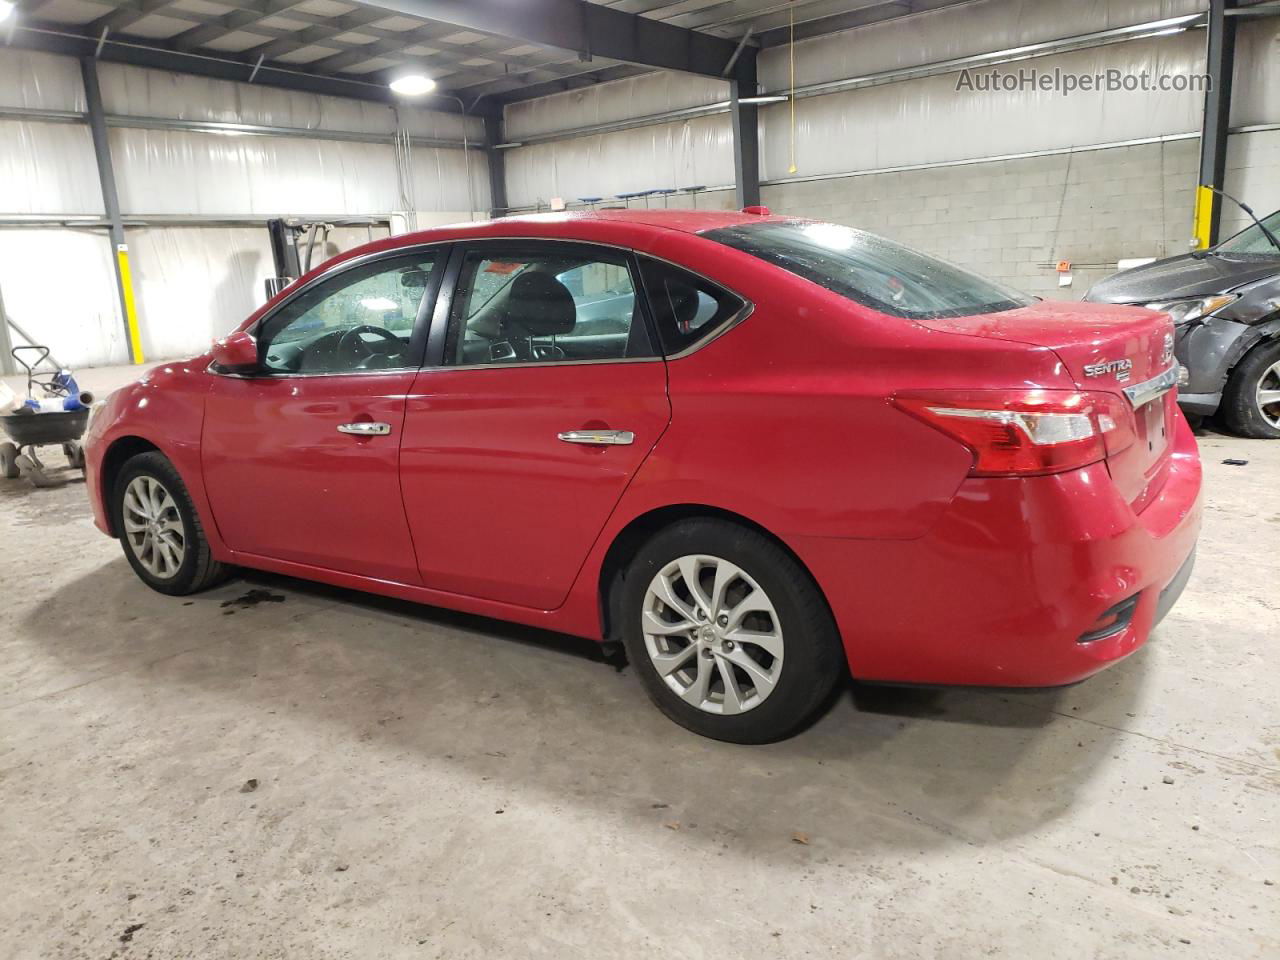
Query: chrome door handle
[(365, 428), (599, 438)]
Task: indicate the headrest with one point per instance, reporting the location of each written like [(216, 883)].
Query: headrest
[(683, 298), (539, 305)]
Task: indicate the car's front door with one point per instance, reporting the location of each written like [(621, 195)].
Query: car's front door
[(545, 397), (301, 459)]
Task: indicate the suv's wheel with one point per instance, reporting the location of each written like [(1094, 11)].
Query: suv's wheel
[(730, 636), (159, 530), (1251, 402)]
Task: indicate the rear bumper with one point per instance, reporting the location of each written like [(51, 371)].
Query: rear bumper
[(1001, 591)]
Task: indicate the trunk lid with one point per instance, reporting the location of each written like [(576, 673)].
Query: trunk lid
[(1108, 348)]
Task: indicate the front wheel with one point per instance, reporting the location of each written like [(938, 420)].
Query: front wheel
[(729, 634), (74, 453), (9, 461), (1251, 402), (159, 529)]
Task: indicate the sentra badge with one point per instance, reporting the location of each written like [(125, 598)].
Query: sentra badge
[(1121, 368)]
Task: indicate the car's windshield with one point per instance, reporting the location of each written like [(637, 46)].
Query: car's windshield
[(1252, 239), (871, 270)]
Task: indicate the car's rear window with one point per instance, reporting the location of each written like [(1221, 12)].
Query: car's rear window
[(871, 270)]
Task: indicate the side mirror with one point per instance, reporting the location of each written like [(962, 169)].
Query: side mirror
[(236, 353)]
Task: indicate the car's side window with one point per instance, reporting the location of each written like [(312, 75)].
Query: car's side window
[(361, 319), (686, 308), (545, 303)]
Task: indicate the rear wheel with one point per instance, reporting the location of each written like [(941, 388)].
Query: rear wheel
[(1251, 402), (159, 529), (729, 635), (9, 461), (74, 454)]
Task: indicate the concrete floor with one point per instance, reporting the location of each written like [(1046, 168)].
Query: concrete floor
[(436, 785)]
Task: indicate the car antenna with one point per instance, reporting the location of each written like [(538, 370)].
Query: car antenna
[(1269, 235)]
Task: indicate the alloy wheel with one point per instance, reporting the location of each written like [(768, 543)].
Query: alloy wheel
[(712, 634), (153, 527), (1268, 395)]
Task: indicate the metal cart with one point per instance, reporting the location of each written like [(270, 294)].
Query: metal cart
[(28, 429)]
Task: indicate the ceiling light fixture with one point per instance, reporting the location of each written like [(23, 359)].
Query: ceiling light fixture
[(764, 98), (412, 85), (6, 8)]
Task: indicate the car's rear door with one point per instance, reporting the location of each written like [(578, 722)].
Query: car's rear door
[(546, 394), (301, 458)]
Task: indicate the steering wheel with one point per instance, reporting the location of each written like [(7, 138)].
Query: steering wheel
[(353, 349)]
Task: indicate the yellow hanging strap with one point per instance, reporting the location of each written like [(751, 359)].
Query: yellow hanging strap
[(1205, 199), (130, 309)]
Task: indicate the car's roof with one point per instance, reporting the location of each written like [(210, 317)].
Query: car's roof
[(587, 223), (685, 220), (622, 227)]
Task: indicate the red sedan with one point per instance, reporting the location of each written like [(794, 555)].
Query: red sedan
[(758, 451)]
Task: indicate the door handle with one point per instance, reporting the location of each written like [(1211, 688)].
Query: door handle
[(365, 428), (599, 438)]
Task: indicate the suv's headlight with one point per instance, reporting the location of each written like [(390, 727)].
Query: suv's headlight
[(1184, 311)]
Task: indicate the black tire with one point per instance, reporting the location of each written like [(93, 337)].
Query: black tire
[(9, 461), (1240, 410), (198, 570), (74, 454), (814, 658)]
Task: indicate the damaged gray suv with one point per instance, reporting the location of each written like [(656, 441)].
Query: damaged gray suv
[(1225, 302)]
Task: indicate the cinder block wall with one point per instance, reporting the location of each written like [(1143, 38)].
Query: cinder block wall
[(1014, 220), (1253, 175)]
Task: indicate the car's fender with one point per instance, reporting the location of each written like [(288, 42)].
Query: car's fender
[(165, 410)]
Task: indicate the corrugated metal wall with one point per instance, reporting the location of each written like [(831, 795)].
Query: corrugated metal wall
[(193, 281)]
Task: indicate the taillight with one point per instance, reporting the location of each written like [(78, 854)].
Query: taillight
[(1022, 432)]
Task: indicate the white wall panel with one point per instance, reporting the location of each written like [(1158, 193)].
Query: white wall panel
[(1255, 94), (440, 179), (421, 122), (963, 31), (616, 100), (59, 285), (47, 168), (136, 91), (928, 120), (193, 284), (686, 153), (179, 172), (39, 81), (176, 172)]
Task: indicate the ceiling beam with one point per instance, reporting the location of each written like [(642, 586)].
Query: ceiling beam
[(523, 86), (127, 15), (235, 20), (61, 39), (450, 54), (588, 29), (864, 16), (326, 31)]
